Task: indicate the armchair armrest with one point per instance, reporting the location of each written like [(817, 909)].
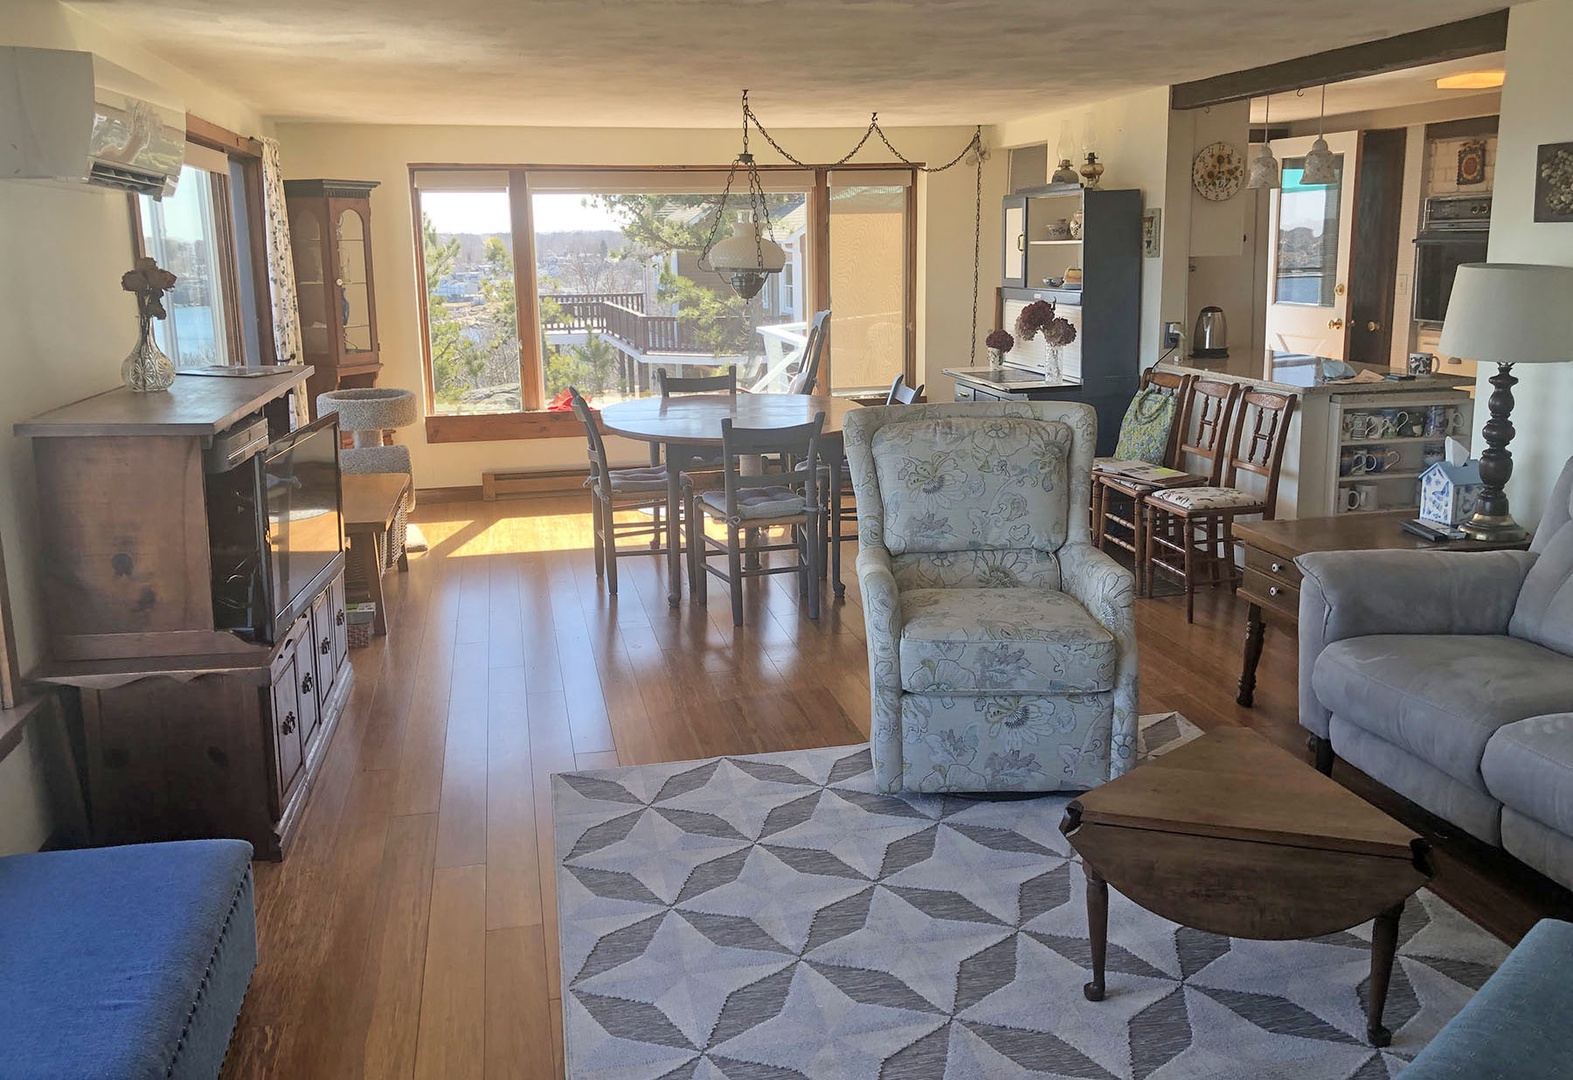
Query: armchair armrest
[(1347, 594), (882, 629), (1108, 593)]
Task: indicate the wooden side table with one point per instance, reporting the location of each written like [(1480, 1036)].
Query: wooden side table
[(1271, 584), (371, 501)]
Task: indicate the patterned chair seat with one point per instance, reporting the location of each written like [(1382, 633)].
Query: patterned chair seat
[(1208, 498), (634, 481), (755, 503), (975, 641)]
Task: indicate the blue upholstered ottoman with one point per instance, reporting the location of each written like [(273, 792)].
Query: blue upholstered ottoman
[(1517, 1027), (124, 963)]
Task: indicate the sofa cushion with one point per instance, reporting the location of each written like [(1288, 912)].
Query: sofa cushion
[(1544, 613), (1441, 697), (124, 962), (1516, 1027), (954, 483), (974, 641), (1465, 805), (1529, 766)]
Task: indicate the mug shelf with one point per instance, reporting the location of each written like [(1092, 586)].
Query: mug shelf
[(1396, 440)]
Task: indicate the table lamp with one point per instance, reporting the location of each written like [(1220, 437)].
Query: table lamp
[(1506, 314)]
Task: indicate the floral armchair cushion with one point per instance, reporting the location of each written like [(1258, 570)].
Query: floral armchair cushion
[(958, 483), (976, 641)]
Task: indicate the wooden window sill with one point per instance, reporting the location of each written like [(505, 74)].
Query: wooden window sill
[(502, 427)]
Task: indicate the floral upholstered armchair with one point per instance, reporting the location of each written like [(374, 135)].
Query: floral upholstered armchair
[(1001, 643)]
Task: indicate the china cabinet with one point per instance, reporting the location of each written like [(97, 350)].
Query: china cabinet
[(330, 234)]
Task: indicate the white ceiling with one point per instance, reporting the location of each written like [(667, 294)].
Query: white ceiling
[(681, 63), (1390, 90)]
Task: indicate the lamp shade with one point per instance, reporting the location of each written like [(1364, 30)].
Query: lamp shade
[(1510, 313), (1264, 170), (748, 248), (1321, 167)]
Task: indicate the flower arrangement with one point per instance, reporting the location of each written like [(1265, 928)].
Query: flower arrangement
[(1001, 340), (1039, 317), (150, 282)]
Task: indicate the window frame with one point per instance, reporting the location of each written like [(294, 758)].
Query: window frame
[(533, 421), (247, 153)]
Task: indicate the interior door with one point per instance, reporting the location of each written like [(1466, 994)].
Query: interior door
[(1308, 260)]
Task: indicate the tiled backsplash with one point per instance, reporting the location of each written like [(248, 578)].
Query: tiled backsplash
[(1441, 177)]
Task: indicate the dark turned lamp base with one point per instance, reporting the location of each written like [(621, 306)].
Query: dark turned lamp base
[(1491, 520)]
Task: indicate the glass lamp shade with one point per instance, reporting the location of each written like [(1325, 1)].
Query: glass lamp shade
[(748, 248), (1321, 167), (1264, 170), (1510, 313)]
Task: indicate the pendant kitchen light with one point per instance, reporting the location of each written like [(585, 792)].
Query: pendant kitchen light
[(1264, 168), (751, 253), (1321, 167)]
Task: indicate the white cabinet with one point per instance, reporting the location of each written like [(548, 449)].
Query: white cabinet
[(1379, 444)]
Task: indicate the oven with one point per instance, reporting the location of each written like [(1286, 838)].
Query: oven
[(1454, 230)]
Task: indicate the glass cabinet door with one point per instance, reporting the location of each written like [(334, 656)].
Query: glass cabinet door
[(1015, 268), (353, 285), (307, 242)]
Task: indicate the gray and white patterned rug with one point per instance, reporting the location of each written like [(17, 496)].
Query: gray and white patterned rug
[(772, 917)]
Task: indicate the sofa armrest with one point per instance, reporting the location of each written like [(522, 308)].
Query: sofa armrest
[(1348, 594), (881, 617), (1108, 593)]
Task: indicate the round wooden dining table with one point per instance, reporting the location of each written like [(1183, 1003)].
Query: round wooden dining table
[(695, 420)]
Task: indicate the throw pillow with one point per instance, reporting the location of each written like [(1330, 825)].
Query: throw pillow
[(1144, 433)]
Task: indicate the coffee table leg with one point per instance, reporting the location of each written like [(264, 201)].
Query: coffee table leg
[(1384, 947), (1097, 929), (1255, 630)]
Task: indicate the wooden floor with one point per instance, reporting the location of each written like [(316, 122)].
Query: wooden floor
[(411, 931)]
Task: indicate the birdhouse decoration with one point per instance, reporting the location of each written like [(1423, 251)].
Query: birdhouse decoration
[(1448, 492)]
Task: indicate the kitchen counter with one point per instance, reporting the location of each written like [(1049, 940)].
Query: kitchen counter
[(1008, 379), (1300, 374)]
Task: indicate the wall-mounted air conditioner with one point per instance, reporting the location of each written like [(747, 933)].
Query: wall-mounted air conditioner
[(76, 118)]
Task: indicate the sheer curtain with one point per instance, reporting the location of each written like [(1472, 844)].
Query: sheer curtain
[(281, 270)]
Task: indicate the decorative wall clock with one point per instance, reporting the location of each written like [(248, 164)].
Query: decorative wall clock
[(1217, 172)]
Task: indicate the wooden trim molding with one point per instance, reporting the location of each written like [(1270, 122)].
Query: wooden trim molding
[(210, 135), (527, 302), (1450, 41)]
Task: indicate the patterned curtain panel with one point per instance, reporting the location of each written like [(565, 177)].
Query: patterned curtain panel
[(281, 270)]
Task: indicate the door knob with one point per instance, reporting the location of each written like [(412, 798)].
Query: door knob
[(1373, 326), (1335, 324)]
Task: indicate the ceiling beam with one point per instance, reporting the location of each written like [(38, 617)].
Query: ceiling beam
[(1451, 41)]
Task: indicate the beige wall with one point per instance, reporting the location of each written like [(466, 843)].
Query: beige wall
[(67, 327), (1534, 111), (384, 153)]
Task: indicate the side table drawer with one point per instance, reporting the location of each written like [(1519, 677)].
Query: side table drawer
[(1272, 592), (1275, 567)]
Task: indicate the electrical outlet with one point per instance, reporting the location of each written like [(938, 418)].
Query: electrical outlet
[(1172, 335)]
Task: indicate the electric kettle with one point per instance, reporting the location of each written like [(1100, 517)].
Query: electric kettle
[(1211, 339)]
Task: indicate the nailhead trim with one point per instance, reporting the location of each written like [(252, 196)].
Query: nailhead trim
[(180, 1044)]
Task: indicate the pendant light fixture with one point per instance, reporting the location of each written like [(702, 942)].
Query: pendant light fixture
[(751, 253), (1264, 167), (1321, 167)]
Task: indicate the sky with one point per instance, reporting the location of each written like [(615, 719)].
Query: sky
[(474, 212)]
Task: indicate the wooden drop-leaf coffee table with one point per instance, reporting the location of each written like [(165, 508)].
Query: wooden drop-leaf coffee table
[(1231, 835)]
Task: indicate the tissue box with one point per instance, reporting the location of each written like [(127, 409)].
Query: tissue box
[(1448, 492)]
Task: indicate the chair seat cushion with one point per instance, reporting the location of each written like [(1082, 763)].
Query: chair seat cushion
[(754, 503), (1528, 766), (631, 481), (1208, 498), (1441, 697), (974, 641), (124, 962)]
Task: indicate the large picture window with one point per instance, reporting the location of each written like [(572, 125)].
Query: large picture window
[(538, 279)]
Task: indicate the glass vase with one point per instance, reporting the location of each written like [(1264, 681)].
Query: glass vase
[(1056, 368), (996, 358), (147, 370)]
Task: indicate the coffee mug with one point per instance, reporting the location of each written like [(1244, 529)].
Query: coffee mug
[(1346, 461), (1383, 458), (1431, 455), (1366, 425), (1422, 363), (1359, 497), (1397, 422), (1442, 420)]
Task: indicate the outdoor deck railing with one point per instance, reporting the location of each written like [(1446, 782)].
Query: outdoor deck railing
[(622, 316)]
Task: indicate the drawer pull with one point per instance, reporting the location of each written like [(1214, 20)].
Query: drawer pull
[(289, 723), (1278, 567), (305, 684), (339, 620), (326, 646), (1274, 590)]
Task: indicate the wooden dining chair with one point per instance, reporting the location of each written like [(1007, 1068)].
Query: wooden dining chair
[(902, 394), (813, 349), (619, 490), (750, 505), (666, 386), (1189, 532), (841, 501)]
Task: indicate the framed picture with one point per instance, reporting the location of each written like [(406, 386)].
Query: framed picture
[(1554, 182), (1152, 232), (1471, 164)]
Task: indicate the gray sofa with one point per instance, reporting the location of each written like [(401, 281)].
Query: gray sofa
[(1448, 677)]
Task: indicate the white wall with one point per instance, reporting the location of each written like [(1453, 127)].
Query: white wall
[(385, 152), (1534, 111), (67, 327)]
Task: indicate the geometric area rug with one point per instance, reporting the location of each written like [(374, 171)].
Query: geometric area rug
[(773, 917)]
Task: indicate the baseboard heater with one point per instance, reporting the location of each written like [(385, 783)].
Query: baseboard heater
[(530, 483)]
